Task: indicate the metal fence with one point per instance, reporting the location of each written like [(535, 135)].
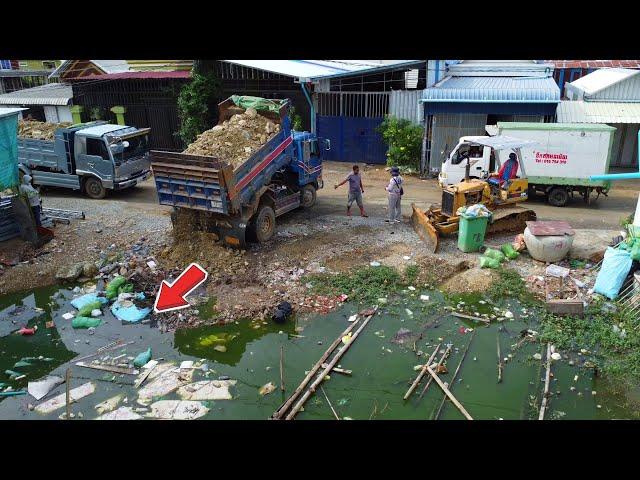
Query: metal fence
[(405, 104), (353, 104)]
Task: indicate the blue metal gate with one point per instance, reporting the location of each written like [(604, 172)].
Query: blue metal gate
[(350, 121)]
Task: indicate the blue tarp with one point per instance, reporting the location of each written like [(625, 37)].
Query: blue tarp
[(8, 151)]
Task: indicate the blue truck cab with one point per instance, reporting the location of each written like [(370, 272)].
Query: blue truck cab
[(92, 157), (242, 204)]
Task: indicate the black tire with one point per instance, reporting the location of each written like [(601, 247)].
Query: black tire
[(94, 189), (558, 196), (308, 196), (264, 224)]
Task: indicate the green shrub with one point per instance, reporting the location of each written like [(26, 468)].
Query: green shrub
[(404, 140), (197, 106)]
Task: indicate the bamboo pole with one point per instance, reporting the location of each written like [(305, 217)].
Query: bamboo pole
[(471, 317), (545, 396), (449, 394), (285, 406), (455, 375), (422, 373), (500, 365), (444, 357), (68, 391), (323, 374), (329, 402), (282, 367)]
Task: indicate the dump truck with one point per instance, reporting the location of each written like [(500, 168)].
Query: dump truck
[(564, 157), (240, 203), (91, 157), (501, 197)]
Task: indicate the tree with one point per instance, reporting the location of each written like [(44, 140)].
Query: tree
[(197, 104)]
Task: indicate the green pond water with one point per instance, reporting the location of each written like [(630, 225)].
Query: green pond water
[(382, 368)]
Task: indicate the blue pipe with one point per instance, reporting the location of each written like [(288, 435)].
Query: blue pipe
[(621, 176), (313, 110)]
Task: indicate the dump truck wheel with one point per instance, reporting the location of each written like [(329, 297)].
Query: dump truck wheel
[(265, 224), (94, 188), (308, 196), (558, 197)]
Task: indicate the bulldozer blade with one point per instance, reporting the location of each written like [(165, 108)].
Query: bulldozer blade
[(425, 229)]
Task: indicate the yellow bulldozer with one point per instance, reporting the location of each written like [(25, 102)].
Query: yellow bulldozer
[(500, 197)]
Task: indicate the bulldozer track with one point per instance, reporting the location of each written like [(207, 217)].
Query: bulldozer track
[(510, 220)]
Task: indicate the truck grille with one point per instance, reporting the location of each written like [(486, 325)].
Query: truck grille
[(447, 203)]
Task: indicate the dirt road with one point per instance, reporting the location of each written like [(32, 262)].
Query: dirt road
[(320, 235)]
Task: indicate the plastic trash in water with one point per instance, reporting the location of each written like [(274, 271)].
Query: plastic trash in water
[(126, 311), (85, 322), (142, 358), (28, 331), (86, 299)]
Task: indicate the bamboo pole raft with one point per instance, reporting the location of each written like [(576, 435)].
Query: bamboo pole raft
[(455, 375), (422, 373), (296, 401), (444, 357)]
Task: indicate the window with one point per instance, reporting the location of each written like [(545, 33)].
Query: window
[(314, 148), (472, 151), (48, 65), (97, 147)]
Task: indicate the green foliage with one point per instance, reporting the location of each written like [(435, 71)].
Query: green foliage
[(617, 355), (197, 104), (366, 284), (296, 120), (411, 274), (510, 285), (624, 221), (404, 140)]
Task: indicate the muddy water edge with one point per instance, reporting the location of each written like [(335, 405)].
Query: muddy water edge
[(383, 360)]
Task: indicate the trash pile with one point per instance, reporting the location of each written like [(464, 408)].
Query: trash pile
[(236, 139), (619, 262), (39, 130)]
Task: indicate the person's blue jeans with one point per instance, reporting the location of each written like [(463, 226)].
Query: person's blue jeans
[(36, 213)]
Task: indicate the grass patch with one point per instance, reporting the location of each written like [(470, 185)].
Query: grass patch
[(616, 356), (411, 274), (511, 285), (365, 285)]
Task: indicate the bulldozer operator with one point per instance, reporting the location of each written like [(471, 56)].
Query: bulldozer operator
[(508, 171)]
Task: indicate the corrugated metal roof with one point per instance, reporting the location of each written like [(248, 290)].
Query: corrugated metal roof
[(313, 69), (500, 68), (598, 112), (601, 79), (493, 90), (595, 63), (107, 66), (4, 112), (137, 75), (49, 94)]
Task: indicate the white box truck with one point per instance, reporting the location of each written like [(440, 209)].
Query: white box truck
[(558, 165)]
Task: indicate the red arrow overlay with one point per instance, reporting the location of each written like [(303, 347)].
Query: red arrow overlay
[(171, 296)]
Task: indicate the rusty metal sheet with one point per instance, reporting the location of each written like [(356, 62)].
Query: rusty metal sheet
[(550, 228)]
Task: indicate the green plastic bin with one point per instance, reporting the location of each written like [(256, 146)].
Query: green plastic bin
[(471, 233)]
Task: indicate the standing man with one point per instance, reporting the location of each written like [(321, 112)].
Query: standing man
[(395, 192), (355, 190), (34, 198)]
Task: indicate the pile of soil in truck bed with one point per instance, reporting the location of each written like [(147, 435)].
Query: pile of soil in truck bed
[(39, 130), (236, 139)]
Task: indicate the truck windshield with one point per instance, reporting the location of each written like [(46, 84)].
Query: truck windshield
[(130, 147)]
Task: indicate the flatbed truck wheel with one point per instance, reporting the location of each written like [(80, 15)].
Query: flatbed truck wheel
[(558, 197), (308, 196), (94, 189), (264, 224)]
